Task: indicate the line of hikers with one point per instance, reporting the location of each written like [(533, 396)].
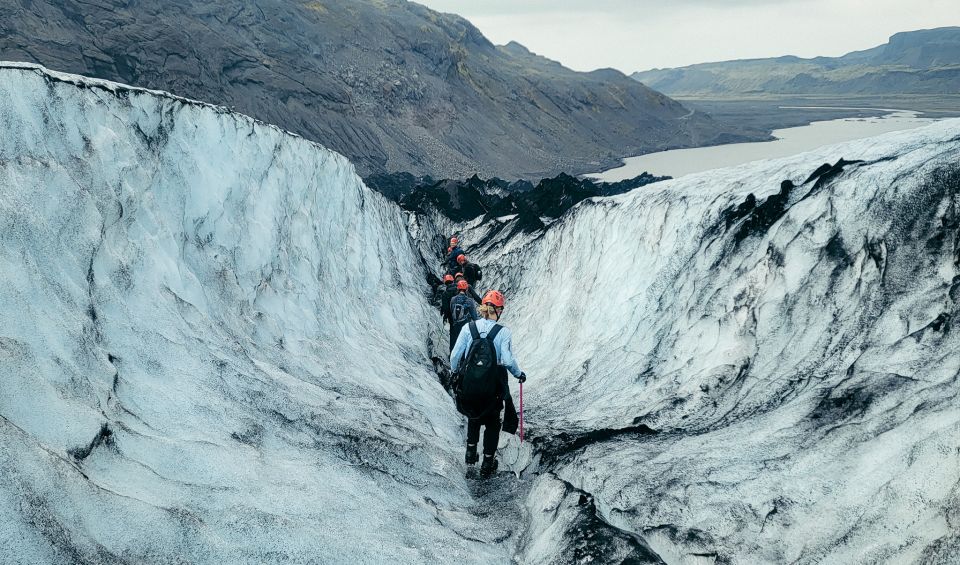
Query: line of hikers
[(479, 358)]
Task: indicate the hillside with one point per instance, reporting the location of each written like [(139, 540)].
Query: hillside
[(390, 84), (925, 62)]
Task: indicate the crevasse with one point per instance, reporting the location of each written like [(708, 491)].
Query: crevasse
[(215, 347)]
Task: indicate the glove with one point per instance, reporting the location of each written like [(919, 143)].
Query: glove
[(523, 377)]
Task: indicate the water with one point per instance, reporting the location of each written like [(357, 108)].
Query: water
[(790, 141)]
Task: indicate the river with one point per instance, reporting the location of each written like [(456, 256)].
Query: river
[(790, 141)]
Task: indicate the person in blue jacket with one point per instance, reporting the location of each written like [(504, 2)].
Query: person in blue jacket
[(455, 251), (470, 291), (490, 311), (461, 310)]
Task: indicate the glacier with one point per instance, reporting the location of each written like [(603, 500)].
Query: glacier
[(217, 347), (757, 364), (210, 347)]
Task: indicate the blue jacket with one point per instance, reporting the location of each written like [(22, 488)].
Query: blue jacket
[(452, 260), (468, 308), (502, 343)]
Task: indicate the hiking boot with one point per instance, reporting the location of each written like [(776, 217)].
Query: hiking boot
[(471, 456), (488, 466)]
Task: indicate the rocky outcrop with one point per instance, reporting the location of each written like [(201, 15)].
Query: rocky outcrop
[(550, 198)]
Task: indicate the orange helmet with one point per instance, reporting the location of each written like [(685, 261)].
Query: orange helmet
[(448, 278), (493, 298), (461, 259), (462, 284), (458, 276), (454, 241)]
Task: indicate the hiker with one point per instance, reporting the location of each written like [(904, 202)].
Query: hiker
[(471, 271), (481, 358), (449, 292), (442, 285), (462, 309), (455, 251), (444, 294), (473, 294)]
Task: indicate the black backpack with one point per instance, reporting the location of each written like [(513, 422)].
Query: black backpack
[(460, 312), (473, 272), (479, 388), (446, 297)]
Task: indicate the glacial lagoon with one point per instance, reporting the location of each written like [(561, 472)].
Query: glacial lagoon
[(790, 141)]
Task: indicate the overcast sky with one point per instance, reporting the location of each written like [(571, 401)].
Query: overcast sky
[(634, 35)]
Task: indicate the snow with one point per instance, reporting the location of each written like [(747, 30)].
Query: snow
[(235, 307)]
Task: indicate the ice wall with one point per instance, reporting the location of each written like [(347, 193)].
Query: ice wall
[(213, 345), (757, 364)]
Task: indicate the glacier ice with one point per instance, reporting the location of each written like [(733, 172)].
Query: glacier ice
[(756, 364), (215, 346), (209, 344)]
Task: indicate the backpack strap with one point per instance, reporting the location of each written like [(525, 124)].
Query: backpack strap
[(474, 333), (492, 334)]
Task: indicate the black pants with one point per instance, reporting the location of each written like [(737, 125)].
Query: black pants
[(455, 328), (491, 435)]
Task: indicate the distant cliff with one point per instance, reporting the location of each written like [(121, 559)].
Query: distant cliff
[(915, 62)]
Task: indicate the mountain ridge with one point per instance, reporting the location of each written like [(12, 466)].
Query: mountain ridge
[(911, 62), (390, 84)]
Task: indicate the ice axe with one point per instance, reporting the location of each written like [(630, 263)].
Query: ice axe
[(521, 412)]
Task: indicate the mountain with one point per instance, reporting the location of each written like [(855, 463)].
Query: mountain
[(915, 62), (216, 347), (390, 84)]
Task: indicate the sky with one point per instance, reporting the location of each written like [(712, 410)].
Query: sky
[(635, 35)]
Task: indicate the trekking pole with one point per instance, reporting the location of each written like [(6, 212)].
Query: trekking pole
[(521, 412)]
